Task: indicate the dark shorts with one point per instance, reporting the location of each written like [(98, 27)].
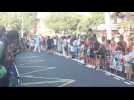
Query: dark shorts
[(49, 47), (92, 54), (85, 51)]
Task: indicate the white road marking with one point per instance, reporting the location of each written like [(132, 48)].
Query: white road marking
[(127, 83), (27, 57), (131, 82), (31, 67), (39, 70), (67, 81), (31, 76), (65, 84), (114, 75), (32, 61), (116, 78)]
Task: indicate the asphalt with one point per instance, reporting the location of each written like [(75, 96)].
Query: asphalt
[(46, 70)]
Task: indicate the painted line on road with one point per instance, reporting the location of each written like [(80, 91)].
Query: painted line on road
[(30, 66), (33, 61), (131, 82), (127, 83), (37, 83), (66, 82), (116, 78), (114, 75), (31, 76), (39, 70)]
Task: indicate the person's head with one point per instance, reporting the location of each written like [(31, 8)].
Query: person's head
[(90, 30), (108, 42), (103, 39), (112, 40), (121, 37)]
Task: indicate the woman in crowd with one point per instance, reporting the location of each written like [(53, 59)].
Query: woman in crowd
[(86, 46), (55, 43), (65, 46), (96, 52), (129, 60), (122, 44)]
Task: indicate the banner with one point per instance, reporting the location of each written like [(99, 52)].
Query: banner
[(118, 61)]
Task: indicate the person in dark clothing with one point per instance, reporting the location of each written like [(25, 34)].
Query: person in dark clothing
[(102, 55), (122, 44), (8, 61), (96, 51), (52, 45), (49, 44)]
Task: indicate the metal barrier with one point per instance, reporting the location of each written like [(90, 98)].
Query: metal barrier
[(18, 75)]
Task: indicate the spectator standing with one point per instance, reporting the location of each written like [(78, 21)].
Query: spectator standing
[(129, 60), (37, 43), (122, 44)]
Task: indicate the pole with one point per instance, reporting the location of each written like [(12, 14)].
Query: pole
[(108, 25), (22, 27)]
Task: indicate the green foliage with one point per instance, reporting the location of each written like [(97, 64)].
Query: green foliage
[(90, 21), (68, 21), (14, 19), (62, 21)]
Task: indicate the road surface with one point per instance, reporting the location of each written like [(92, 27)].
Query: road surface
[(46, 70)]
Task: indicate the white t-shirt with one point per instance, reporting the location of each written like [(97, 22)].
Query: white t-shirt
[(64, 41), (71, 48), (75, 43), (55, 42), (129, 56)]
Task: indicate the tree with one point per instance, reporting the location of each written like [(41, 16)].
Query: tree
[(62, 21), (90, 21), (14, 19)]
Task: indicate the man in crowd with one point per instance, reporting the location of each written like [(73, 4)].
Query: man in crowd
[(37, 43)]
